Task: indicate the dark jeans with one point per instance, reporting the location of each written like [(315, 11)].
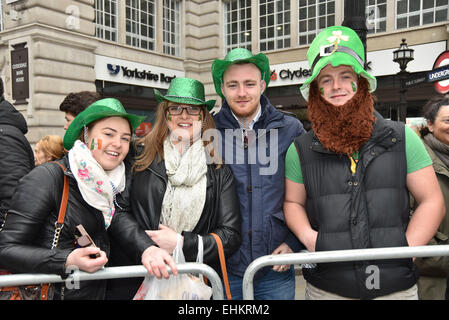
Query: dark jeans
[(272, 286)]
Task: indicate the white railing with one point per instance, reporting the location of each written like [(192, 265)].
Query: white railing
[(337, 256), (113, 273)]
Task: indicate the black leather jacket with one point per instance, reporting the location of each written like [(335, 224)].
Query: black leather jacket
[(26, 239), (221, 215), (16, 155)]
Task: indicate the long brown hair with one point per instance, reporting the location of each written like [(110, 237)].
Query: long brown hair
[(153, 142)]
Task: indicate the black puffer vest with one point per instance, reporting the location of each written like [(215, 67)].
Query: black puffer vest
[(368, 209)]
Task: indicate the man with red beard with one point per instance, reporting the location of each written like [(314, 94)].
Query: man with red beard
[(348, 179)]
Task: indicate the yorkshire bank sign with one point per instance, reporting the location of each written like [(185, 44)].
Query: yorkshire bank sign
[(380, 63), (134, 73)]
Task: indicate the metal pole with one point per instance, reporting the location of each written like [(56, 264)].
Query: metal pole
[(355, 18), (113, 273), (403, 96), (337, 256)]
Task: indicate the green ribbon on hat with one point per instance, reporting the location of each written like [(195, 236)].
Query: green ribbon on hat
[(239, 55), (185, 91), (104, 108), (336, 45)]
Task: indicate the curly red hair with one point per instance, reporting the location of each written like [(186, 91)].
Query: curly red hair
[(343, 129)]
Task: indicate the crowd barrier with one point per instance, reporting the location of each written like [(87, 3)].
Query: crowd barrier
[(336, 256), (256, 265), (113, 273)]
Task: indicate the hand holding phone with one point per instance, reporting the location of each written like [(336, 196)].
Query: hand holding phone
[(84, 240)]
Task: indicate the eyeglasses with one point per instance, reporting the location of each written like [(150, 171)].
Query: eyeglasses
[(178, 110)]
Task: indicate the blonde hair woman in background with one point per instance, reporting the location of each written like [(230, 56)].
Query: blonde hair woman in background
[(48, 148)]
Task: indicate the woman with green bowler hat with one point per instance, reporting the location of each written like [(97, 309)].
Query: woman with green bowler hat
[(98, 141), (180, 186)]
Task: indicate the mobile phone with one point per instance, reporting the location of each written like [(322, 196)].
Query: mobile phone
[(84, 240)]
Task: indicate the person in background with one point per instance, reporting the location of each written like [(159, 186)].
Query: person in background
[(433, 271), (98, 141), (75, 102), (255, 151), (48, 148), (180, 187), (16, 154), (348, 179)]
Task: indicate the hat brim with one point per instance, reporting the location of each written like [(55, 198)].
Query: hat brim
[(337, 59), (220, 66), (185, 100), (74, 130)]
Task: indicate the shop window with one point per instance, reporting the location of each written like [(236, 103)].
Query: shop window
[(106, 19), (171, 32), (140, 23), (314, 16), (412, 13), (237, 18), (274, 19)]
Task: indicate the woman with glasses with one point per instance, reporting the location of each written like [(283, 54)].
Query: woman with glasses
[(180, 187)]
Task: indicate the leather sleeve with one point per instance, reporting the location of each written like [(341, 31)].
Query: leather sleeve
[(125, 230), (228, 226), (15, 163), (31, 206)]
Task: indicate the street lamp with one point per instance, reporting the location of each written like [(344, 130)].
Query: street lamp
[(403, 56)]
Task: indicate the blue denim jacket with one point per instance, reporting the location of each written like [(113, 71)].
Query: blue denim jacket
[(258, 168)]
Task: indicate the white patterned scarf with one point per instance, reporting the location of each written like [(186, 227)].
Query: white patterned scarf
[(98, 187), (186, 188)]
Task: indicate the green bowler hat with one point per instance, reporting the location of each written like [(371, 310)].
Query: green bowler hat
[(185, 91), (104, 108), (239, 55), (336, 45)]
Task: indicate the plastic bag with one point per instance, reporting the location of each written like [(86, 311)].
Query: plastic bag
[(180, 287)]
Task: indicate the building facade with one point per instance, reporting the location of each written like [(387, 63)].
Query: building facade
[(126, 48)]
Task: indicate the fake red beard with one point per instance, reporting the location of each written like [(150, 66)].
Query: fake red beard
[(342, 129)]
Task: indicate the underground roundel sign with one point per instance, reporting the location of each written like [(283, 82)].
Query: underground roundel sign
[(442, 61)]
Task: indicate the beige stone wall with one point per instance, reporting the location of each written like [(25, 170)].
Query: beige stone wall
[(202, 41), (61, 57), (55, 13)]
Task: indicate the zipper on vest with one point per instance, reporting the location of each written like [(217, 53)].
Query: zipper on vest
[(353, 165), (354, 158)]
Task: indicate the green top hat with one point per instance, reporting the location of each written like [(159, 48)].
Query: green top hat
[(100, 109), (239, 55), (187, 91), (336, 45)]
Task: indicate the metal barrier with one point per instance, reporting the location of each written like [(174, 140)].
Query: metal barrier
[(113, 273), (337, 256)]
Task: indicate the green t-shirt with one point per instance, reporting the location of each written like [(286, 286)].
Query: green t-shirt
[(415, 152)]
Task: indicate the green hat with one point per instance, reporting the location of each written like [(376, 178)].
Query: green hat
[(336, 45), (185, 90), (100, 109), (239, 55)]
